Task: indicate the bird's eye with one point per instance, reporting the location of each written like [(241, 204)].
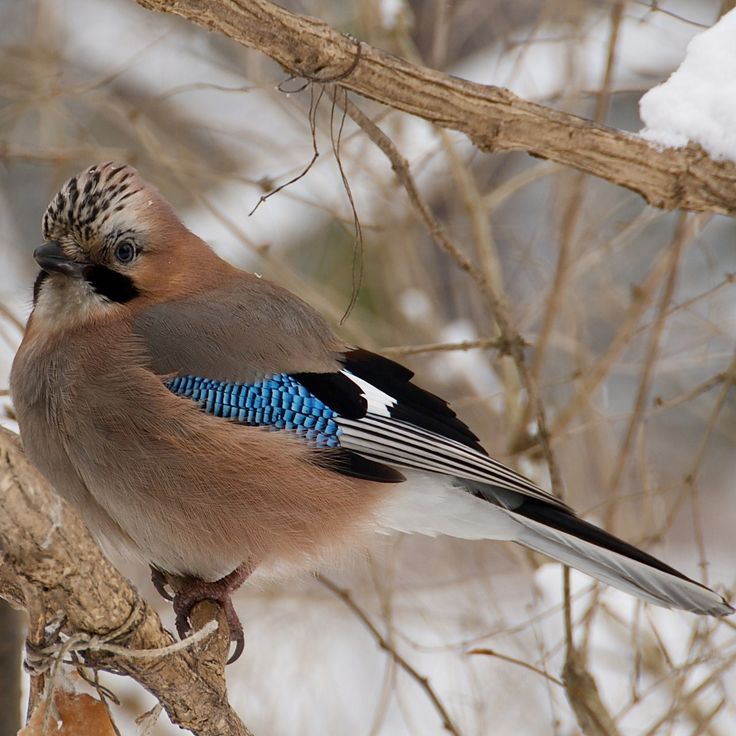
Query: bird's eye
[(125, 252)]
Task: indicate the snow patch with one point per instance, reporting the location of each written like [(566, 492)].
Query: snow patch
[(391, 12), (415, 305), (698, 102)]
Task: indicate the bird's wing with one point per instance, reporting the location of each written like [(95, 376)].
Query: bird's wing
[(254, 353), (244, 330), (409, 427), (276, 366)]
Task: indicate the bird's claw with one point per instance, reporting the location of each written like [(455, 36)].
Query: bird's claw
[(195, 591)]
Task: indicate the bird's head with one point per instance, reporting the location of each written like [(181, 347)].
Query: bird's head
[(110, 240)]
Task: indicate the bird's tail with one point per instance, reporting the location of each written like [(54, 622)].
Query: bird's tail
[(468, 509), (563, 536)]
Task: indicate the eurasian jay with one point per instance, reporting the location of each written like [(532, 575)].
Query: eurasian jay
[(208, 422)]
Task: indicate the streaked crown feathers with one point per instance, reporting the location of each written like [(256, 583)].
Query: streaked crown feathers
[(95, 202)]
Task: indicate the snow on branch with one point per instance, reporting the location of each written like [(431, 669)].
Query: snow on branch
[(492, 117), (698, 102)]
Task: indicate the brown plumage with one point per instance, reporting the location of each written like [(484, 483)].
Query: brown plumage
[(128, 298)]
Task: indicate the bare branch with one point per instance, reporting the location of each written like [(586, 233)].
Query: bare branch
[(493, 118), (440, 347), (584, 698), (49, 563), (382, 642)]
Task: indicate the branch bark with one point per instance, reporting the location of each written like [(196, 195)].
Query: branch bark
[(49, 563), (493, 118)]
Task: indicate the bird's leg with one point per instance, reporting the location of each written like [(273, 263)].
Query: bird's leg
[(194, 590), (160, 582)]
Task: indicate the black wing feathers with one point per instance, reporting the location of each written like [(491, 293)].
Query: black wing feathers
[(413, 404), (351, 463), (337, 391), (565, 520)]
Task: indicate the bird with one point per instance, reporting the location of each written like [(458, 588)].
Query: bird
[(208, 422)]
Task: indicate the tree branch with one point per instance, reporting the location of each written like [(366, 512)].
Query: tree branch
[(493, 118), (49, 563)]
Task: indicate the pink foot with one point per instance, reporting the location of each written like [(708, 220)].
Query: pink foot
[(195, 590)]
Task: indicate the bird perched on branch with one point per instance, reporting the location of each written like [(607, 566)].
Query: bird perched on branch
[(209, 422)]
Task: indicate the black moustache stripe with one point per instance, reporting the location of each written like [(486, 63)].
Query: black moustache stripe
[(116, 287), (42, 276)]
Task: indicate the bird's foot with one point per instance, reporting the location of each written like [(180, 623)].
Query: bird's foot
[(194, 590)]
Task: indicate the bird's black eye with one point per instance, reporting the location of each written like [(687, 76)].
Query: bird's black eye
[(125, 252)]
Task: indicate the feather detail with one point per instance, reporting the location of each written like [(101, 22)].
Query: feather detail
[(280, 402), (377, 402), (388, 385), (585, 547), (359, 419), (403, 444), (242, 329)]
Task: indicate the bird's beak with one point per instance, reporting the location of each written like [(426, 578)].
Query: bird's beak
[(52, 259)]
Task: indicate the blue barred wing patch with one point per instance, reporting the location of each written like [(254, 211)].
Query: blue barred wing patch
[(278, 402)]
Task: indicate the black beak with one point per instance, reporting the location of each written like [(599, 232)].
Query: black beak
[(52, 259)]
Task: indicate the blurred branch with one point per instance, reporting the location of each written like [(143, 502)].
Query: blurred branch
[(440, 347), (49, 563), (11, 645), (681, 236), (382, 642), (584, 698), (642, 295), (492, 117), (519, 662)]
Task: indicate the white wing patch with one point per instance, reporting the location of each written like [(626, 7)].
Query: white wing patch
[(380, 436), (378, 401)]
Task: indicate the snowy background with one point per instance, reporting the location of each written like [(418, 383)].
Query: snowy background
[(215, 126)]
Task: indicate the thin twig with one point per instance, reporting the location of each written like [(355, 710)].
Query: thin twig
[(678, 243), (313, 107), (382, 642), (702, 388), (495, 343), (520, 663), (357, 270), (493, 118)]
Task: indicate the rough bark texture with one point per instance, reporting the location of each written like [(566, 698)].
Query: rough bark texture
[(49, 563), (493, 118)]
